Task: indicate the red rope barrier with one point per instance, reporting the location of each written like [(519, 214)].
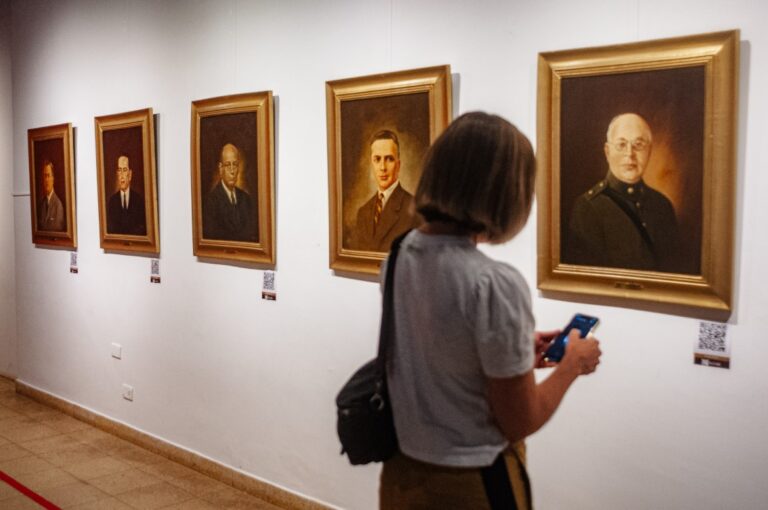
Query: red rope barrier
[(37, 498)]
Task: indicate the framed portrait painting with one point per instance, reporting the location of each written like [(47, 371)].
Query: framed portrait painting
[(379, 129), (125, 161), (233, 178), (637, 169), (51, 186)]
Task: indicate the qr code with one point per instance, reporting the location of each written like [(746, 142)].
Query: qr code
[(269, 280), (712, 336)]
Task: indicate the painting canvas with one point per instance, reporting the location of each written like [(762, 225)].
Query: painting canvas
[(661, 181)]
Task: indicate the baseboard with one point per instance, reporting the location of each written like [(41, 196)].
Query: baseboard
[(259, 488)]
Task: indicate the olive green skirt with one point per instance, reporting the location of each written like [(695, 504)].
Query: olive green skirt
[(408, 484)]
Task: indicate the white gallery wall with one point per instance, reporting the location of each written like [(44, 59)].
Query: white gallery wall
[(251, 383), (7, 250)]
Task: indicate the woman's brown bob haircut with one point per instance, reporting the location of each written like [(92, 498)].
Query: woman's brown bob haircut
[(479, 174)]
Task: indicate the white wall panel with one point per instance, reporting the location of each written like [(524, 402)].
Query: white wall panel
[(251, 383), (7, 252)]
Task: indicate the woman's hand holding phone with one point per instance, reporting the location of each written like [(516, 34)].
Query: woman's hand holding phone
[(581, 355), (541, 341)]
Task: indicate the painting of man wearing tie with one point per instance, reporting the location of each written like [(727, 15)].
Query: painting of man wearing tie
[(379, 129), (50, 210), (232, 175), (127, 183), (383, 142), (389, 212), (51, 185), (228, 212), (125, 210)]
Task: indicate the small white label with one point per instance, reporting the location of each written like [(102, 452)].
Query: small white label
[(73, 262), (154, 275)]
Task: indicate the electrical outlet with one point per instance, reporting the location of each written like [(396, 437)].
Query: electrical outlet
[(117, 351), (128, 392)]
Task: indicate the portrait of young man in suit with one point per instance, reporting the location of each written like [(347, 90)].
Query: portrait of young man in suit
[(389, 212)]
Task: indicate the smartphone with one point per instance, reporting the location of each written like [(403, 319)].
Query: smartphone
[(586, 324)]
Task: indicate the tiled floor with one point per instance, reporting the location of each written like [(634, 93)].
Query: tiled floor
[(77, 466)]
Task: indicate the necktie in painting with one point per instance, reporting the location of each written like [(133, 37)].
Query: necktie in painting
[(379, 207)]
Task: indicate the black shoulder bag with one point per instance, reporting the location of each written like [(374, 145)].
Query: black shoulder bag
[(364, 417)]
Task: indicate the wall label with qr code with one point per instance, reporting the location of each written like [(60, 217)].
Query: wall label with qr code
[(73, 262), (154, 271), (713, 348), (268, 286)]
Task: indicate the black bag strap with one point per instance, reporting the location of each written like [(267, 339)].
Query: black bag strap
[(498, 487), (388, 314), (632, 215)]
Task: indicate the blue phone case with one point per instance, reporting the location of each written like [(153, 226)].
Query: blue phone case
[(584, 323)]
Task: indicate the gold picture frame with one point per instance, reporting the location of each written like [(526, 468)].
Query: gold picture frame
[(52, 186), (127, 181), (233, 140), (409, 109), (606, 239)]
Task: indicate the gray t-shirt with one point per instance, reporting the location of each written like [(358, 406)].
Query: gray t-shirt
[(460, 318)]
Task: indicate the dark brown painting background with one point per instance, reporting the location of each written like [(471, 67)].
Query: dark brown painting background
[(405, 114), (218, 130), (127, 142), (52, 150), (672, 102)]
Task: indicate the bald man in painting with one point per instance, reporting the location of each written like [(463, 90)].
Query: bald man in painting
[(228, 211), (622, 222)]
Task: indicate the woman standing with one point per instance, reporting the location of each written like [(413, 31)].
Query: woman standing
[(460, 372)]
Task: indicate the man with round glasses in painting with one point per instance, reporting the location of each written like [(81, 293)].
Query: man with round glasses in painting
[(622, 222), (228, 210)]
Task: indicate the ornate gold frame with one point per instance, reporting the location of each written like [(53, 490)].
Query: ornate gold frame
[(263, 251), (67, 238), (149, 243), (436, 81), (705, 295)]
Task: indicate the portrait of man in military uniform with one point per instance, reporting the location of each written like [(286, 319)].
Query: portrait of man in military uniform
[(621, 221), (631, 171)]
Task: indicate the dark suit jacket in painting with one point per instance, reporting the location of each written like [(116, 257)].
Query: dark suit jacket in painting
[(630, 226), (396, 218), (130, 221), (226, 221), (50, 214)]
